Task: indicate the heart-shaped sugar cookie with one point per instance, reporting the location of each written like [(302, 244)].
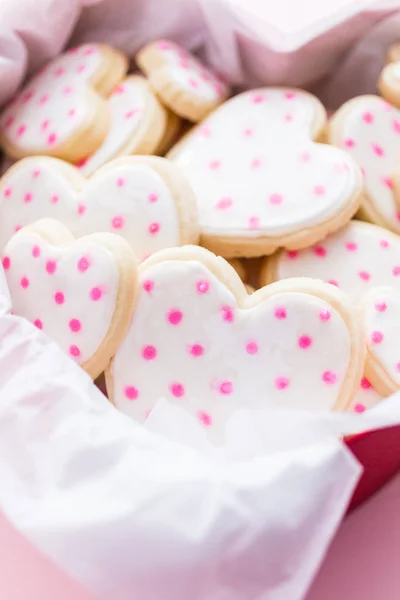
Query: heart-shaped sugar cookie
[(355, 259), (368, 128), (146, 200), (60, 112), (261, 181), (197, 339), (81, 293)]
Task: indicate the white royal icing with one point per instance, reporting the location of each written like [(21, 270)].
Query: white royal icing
[(356, 258), (382, 329), (126, 105), (370, 132), (129, 199), (70, 293), (256, 171), (366, 397), (190, 343), (53, 104)]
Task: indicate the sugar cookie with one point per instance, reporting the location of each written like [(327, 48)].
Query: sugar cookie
[(356, 258), (138, 124), (79, 292), (365, 397), (261, 181), (171, 134), (145, 199), (368, 128), (197, 339), (185, 84), (60, 111)]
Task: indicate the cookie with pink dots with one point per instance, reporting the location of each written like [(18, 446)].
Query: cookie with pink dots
[(260, 178), (357, 258), (145, 199), (79, 292), (198, 339), (61, 111), (368, 128), (184, 84), (138, 124), (382, 330)]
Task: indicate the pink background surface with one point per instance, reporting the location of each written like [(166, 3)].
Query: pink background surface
[(363, 561)]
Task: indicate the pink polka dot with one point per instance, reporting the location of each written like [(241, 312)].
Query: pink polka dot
[(202, 287), (81, 68), (175, 317), (359, 408), (154, 228), (254, 223), (305, 157), (380, 306), (54, 199), (396, 125), (59, 71), (319, 190), (51, 266), (251, 348), (319, 251), (351, 246), (226, 388), (148, 285), (44, 125), (276, 199), (193, 83), (71, 112), (378, 150), (152, 197), (35, 251), (365, 384), (131, 393), (51, 139), (8, 192), (196, 350), (117, 222), (329, 377), (24, 282), (43, 99), (305, 341), (333, 282), (131, 113), (288, 118), (349, 143), (67, 90), (214, 164), (324, 315), (387, 182), (83, 264), (292, 254), (364, 275), (177, 390), (255, 163), (96, 293), (81, 209), (228, 314), (248, 132), (376, 337), (17, 228), (36, 173), (368, 117), (21, 130), (290, 95), (224, 203), (149, 352), (59, 298), (281, 383), (204, 418), (74, 351), (398, 367), (9, 121), (75, 325), (38, 323), (280, 312), (396, 271), (120, 181), (28, 197), (6, 262), (258, 98)]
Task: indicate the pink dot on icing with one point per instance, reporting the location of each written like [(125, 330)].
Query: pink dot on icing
[(324, 315), (149, 352), (248, 132), (52, 138), (9, 121), (175, 317), (35, 251), (24, 282), (204, 418), (228, 314), (387, 181), (226, 388), (368, 117), (214, 164), (148, 285), (59, 71), (349, 143), (281, 383), (396, 271), (59, 298), (258, 98), (202, 287), (117, 222), (396, 125), (276, 199), (67, 90), (6, 262), (365, 384), (224, 203), (319, 251), (38, 323), (17, 228), (75, 325), (305, 341), (288, 117), (43, 99), (378, 150), (74, 351), (364, 275), (83, 264), (398, 367), (193, 82), (152, 197), (81, 209), (377, 337), (28, 197), (319, 190), (96, 293), (292, 254), (359, 408), (44, 125), (8, 192), (81, 68), (290, 95), (71, 112), (177, 390), (305, 157), (254, 223), (255, 163), (196, 350), (131, 393), (329, 377), (251, 348), (333, 282), (51, 266), (384, 244), (54, 199), (280, 312), (154, 228), (120, 181), (351, 246)]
